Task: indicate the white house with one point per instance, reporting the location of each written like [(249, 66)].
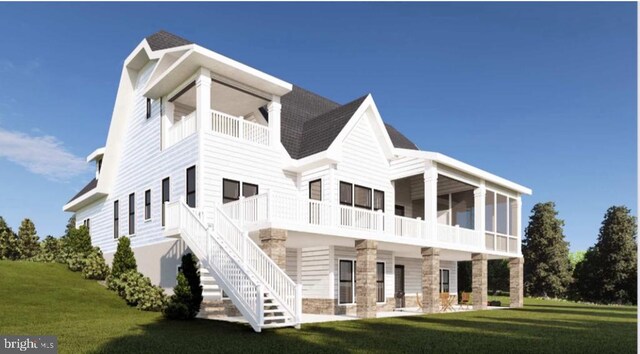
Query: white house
[(288, 198)]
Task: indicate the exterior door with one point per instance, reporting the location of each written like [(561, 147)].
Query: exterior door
[(399, 286)]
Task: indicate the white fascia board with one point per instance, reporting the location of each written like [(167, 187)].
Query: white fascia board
[(84, 200), (310, 162), (464, 167), (96, 154), (379, 129), (198, 57)]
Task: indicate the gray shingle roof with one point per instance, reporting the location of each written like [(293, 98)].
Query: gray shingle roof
[(91, 185), (164, 40)]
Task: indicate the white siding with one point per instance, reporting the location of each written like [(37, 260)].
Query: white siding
[(314, 272), (142, 166), (364, 163), (291, 267)]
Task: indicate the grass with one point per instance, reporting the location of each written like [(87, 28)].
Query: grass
[(47, 299)]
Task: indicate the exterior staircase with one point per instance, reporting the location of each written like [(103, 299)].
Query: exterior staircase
[(262, 292)]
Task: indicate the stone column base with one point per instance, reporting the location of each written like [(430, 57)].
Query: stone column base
[(272, 242), (430, 280), (366, 285), (479, 281), (516, 282)]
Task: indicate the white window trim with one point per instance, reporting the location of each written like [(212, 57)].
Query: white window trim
[(441, 282)]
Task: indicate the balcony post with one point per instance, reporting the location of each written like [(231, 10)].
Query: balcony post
[(203, 98), (431, 198), (241, 211), (519, 220), (241, 128), (274, 108), (479, 196)]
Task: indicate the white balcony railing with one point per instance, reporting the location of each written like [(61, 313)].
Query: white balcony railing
[(290, 209), (180, 130), (239, 128)]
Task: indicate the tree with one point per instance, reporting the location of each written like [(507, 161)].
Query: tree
[(178, 306), (124, 259), (546, 253), (498, 274), (78, 241), (50, 249), (9, 248), (71, 224), (608, 273), (575, 258), (192, 274), (28, 240)]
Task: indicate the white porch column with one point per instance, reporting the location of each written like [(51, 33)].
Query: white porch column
[(167, 120), (519, 219), (274, 108), (431, 198), (203, 122), (479, 196), (203, 98)]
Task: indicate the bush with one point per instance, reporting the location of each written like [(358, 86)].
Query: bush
[(77, 241), (179, 305), (28, 240), (9, 248), (192, 274), (76, 262), (95, 266), (123, 260), (50, 249), (137, 290)]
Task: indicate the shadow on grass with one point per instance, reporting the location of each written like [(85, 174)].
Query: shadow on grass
[(607, 308), (483, 331)]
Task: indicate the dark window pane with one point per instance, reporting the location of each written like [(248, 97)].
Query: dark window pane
[(380, 281), (191, 186), (378, 200), (346, 282), (147, 205), (230, 190), (400, 210), (132, 214), (165, 195), (362, 197), (315, 190), (346, 196), (116, 218), (249, 190), (148, 108)]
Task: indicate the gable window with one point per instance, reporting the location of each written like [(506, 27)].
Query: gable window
[(230, 191), (346, 282), (315, 190), (132, 213), (378, 200), (147, 204), (362, 197), (148, 108), (249, 189), (191, 186), (116, 219), (380, 281), (165, 196), (346, 193), (444, 280)]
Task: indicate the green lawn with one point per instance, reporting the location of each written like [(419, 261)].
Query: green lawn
[(47, 299)]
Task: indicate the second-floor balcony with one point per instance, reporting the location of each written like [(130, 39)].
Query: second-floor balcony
[(321, 217)]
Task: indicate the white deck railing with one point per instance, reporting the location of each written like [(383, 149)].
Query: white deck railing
[(276, 207), (240, 128), (180, 130)]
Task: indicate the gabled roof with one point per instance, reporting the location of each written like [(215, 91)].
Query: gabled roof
[(310, 123), (91, 185), (165, 40)]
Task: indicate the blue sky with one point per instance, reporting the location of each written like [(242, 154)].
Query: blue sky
[(543, 94)]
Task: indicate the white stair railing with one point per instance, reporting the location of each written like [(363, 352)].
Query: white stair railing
[(286, 292), (245, 290)]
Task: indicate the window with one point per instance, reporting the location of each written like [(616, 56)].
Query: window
[(399, 210), (513, 215), (230, 190), (315, 190), (489, 211), (346, 282), (380, 281), (191, 186), (249, 190), (132, 213), (148, 108), (147, 204), (116, 219), (362, 197), (346, 193), (87, 223), (462, 210), (378, 200), (444, 280), (501, 214), (165, 196)]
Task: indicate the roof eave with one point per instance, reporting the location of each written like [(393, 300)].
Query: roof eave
[(464, 167), (84, 200)]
